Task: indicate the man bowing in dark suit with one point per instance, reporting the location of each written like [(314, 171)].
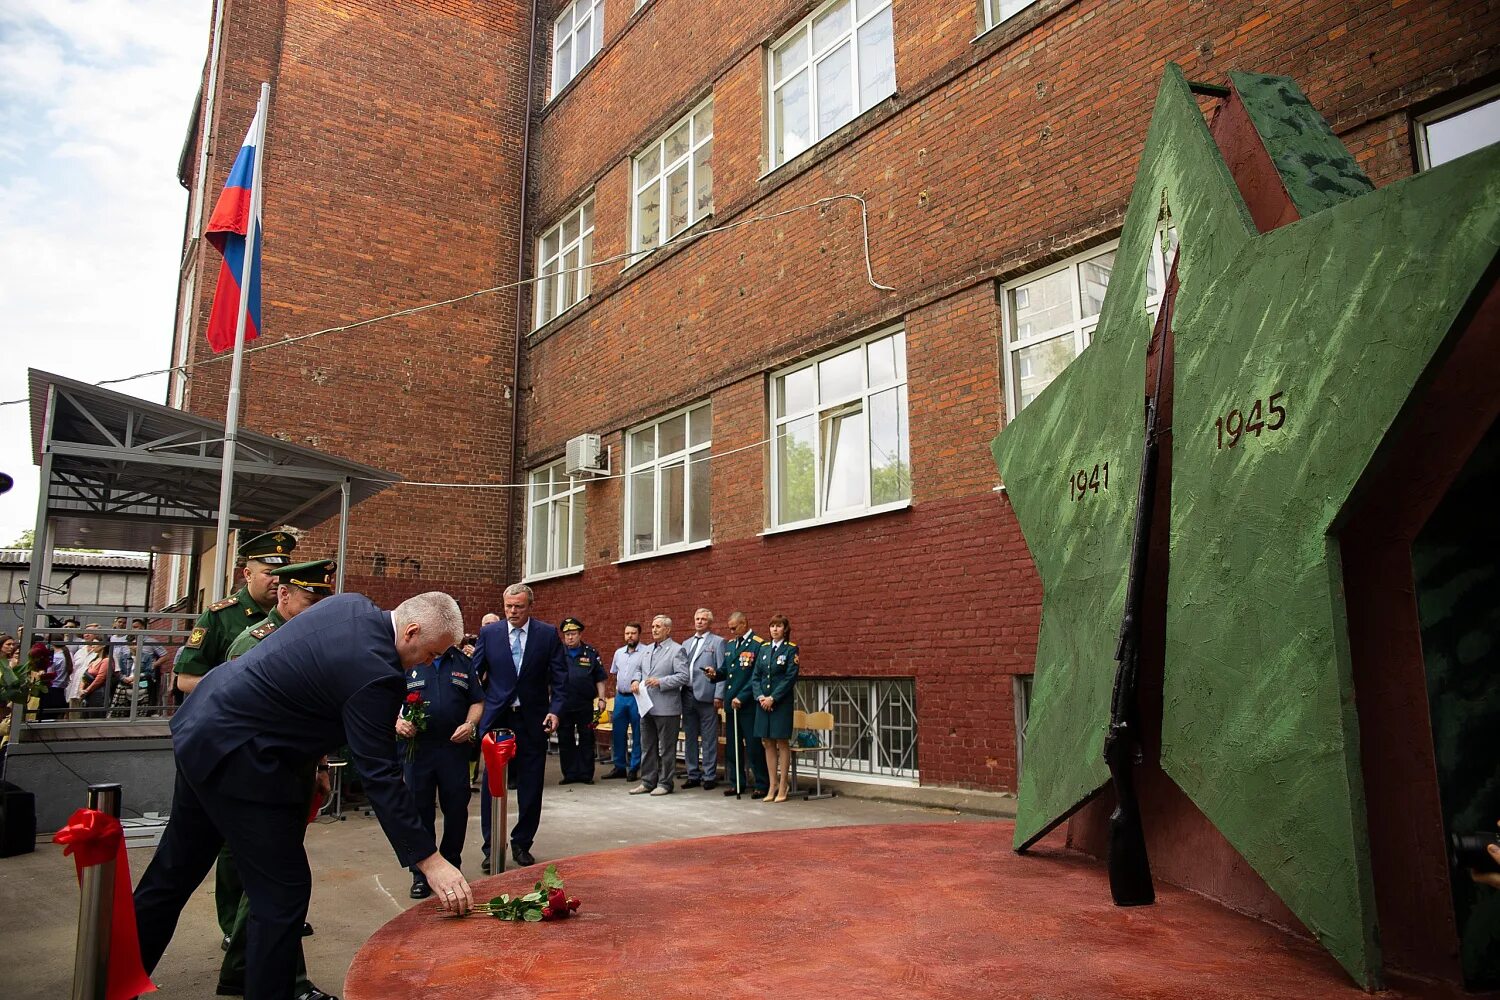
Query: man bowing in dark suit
[(246, 745), (525, 699)]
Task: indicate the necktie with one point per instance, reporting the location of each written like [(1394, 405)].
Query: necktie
[(515, 647), (697, 642)]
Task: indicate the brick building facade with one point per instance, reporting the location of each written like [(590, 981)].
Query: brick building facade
[(994, 144)]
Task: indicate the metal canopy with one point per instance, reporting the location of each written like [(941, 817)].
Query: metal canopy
[(121, 472)]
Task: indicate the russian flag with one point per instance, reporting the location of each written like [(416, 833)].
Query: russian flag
[(227, 230)]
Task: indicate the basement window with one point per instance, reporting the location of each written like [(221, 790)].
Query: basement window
[(874, 723)]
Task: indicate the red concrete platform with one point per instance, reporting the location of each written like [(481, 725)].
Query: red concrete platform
[(941, 910)]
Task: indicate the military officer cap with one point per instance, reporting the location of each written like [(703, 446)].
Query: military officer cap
[(272, 548), (571, 624), (315, 577)]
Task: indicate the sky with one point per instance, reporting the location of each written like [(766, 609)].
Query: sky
[(95, 97)]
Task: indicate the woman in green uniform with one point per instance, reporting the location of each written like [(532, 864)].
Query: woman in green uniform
[(771, 685)]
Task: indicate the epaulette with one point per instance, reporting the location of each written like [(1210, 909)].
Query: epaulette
[(791, 644), (227, 602), (263, 629), (755, 638)]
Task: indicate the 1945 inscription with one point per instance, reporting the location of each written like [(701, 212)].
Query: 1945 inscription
[(1234, 425)]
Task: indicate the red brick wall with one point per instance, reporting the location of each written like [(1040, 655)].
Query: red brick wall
[(994, 157), (393, 160)]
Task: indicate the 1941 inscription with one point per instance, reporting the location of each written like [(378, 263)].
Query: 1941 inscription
[(1083, 482), (1234, 425)]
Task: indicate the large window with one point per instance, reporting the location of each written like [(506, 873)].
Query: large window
[(832, 67), (1050, 315), (667, 489), (677, 172), (840, 433), (996, 11), (577, 37), (874, 723), (563, 256), (1461, 127), (554, 531)]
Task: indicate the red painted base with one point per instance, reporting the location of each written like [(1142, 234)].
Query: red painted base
[(942, 910)]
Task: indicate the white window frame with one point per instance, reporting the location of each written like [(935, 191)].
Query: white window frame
[(639, 184), (869, 711), (1447, 111), (558, 560), (821, 406), (992, 13), (593, 44), (688, 455), (549, 289), (1082, 329), (809, 64)]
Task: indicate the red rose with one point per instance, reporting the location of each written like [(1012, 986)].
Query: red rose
[(574, 903), (557, 899), (413, 698), (548, 913)]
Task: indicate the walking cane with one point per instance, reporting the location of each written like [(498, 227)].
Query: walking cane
[(739, 763)]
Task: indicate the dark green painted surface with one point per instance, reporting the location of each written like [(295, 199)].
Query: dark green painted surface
[(1456, 565), (1341, 313), (1092, 414), (1317, 171)]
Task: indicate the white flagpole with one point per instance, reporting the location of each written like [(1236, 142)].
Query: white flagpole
[(232, 416)]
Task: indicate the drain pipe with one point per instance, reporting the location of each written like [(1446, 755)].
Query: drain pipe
[(521, 325)]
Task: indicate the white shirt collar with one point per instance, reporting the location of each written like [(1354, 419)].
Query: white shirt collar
[(524, 627)]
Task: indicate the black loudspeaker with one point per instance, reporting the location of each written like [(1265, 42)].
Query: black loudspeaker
[(17, 821)]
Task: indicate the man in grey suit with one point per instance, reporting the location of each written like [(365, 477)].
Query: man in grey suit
[(701, 701), (664, 675)]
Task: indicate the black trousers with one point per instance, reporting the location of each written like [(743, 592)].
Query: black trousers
[(266, 839), (438, 776), (575, 739), (528, 769)]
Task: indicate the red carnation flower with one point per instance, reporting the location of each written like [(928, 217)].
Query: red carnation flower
[(413, 698)]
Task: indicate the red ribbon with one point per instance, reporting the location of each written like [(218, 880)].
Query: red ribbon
[(93, 838), (497, 753)]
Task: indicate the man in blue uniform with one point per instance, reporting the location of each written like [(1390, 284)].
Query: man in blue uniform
[(582, 698), (246, 746), (523, 658), (437, 757)]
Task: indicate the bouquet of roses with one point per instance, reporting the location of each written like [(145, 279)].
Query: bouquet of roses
[(546, 901), (415, 712)]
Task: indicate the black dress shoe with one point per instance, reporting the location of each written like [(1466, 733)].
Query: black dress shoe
[(313, 993), (567, 781), (522, 855), (585, 781), (757, 794), (307, 930), (691, 783), (618, 772), (709, 786), (420, 890), (229, 990), (634, 774), (484, 865), (224, 946)]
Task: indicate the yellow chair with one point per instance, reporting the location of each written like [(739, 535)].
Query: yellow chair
[(820, 723)]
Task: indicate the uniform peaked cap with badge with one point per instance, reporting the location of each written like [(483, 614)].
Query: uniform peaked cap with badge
[(274, 548), (316, 577)]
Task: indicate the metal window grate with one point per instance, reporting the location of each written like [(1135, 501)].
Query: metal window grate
[(874, 723)]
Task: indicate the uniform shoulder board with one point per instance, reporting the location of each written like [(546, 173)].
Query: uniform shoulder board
[(263, 629), (791, 644), (227, 602), (756, 638)]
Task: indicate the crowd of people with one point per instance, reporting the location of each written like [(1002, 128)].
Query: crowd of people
[(87, 671)]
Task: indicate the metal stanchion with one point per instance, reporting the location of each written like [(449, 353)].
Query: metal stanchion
[(96, 902), (499, 825)]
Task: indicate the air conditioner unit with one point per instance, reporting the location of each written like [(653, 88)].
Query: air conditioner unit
[(586, 456)]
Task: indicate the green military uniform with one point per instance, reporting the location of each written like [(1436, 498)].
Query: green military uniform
[(251, 637), (741, 744), (315, 578), (218, 627), (775, 675), (207, 647)]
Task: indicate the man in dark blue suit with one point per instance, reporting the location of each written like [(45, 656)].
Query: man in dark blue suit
[(526, 701), (247, 743)]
